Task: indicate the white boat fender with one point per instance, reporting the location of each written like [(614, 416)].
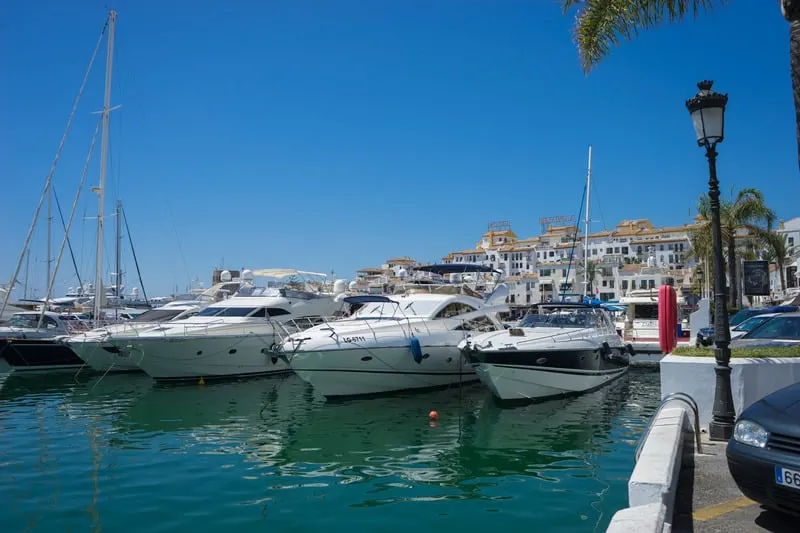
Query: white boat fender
[(416, 349)]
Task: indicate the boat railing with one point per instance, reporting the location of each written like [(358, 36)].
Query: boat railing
[(675, 396)]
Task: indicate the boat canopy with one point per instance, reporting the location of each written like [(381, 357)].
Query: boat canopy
[(283, 273), (368, 298), (455, 268)]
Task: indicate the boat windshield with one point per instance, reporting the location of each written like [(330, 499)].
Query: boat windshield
[(398, 310), (24, 321), (579, 317), (249, 290), (226, 311), (158, 315)]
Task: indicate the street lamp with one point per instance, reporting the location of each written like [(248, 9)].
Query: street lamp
[(708, 116)]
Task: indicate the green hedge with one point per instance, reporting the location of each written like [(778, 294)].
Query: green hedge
[(741, 353)]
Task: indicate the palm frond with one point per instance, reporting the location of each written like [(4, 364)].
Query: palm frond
[(601, 24)]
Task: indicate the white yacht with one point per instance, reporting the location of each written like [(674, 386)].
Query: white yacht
[(234, 337), (94, 347), (563, 348), (397, 342)]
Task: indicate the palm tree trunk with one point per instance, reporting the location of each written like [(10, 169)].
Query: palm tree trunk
[(781, 272), (733, 279), (791, 12)]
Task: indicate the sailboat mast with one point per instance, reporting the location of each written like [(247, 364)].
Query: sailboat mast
[(49, 228), (27, 272), (586, 227), (118, 279), (101, 191)]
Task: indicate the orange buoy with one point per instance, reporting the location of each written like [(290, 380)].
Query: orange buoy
[(433, 415)]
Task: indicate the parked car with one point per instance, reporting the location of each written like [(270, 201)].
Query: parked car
[(764, 453), (780, 330), (705, 336)]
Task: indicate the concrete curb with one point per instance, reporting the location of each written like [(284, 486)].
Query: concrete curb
[(654, 480), (639, 519)]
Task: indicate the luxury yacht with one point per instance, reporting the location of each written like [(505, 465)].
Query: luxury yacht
[(397, 342), (561, 349), (234, 337), (94, 346)]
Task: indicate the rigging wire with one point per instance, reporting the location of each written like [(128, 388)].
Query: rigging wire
[(69, 224), (69, 241), (48, 180), (598, 204), (133, 253)]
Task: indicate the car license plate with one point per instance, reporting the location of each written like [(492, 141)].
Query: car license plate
[(787, 477)]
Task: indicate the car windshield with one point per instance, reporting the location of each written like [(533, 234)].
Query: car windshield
[(751, 323), (780, 327), (743, 315), (563, 317)]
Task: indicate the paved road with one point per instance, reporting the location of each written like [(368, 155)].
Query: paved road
[(709, 501)]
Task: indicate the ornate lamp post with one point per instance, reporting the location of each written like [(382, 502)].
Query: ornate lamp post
[(708, 116)]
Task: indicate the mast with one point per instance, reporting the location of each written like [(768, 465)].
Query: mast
[(586, 227), (49, 228), (118, 277), (101, 190)]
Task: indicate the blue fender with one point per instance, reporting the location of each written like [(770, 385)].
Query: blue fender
[(416, 350)]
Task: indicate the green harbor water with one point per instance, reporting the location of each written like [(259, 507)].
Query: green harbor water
[(120, 454)]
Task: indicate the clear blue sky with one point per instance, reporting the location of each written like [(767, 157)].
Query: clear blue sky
[(328, 135)]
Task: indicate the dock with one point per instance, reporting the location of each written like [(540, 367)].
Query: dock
[(707, 499), (681, 487)]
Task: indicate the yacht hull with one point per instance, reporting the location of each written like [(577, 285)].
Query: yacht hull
[(31, 355), (105, 357), (209, 357), (543, 374), (354, 372)]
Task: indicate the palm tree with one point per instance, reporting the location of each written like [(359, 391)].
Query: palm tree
[(778, 251), (591, 273), (601, 24), (746, 213)]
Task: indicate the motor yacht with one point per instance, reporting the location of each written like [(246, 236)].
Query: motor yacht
[(395, 342), (237, 336), (29, 342), (560, 349)]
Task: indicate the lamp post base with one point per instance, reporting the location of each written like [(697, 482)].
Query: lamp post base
[(720, 431)]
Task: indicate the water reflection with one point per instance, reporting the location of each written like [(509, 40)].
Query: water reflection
[(256, 443)]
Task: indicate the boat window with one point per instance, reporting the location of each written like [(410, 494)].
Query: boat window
[(237, 311), (157, 315), (645, 311), (780, 327), (211, 311), (261, 312), (454, 309), (226, 311), (481, 323), (298, 295), (277, 311)]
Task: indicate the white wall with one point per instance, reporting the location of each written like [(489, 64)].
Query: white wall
[(751, 380)]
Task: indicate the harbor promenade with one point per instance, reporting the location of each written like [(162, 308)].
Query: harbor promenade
[(707, 499)]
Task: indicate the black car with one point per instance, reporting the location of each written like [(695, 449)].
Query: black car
[(764, 453), (705, 336)]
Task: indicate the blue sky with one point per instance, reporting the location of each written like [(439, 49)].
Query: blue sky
[(327, 135)]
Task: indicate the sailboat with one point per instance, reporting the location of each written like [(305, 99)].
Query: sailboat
[(47, 353)]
